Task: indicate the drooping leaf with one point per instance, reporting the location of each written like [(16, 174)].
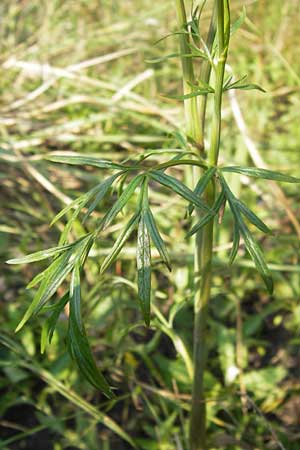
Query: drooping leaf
[(81, 201), (156, 237), (100, 194), (53, 278), (261, 173), (84, 160), (118, 245), (68, 226), (178, 187), (39, 256), (235, 244), (252, 217), (143, 257), (251, 244), (56, 274), (256, 255), (202, 184), (78, 342), (121, 202), (50, 323), (208, 217)]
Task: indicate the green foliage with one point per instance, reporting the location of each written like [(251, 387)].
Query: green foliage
[(111, 131)]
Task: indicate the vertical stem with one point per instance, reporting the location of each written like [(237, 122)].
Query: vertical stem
[(205, 76), (193, 125), (204, 245)]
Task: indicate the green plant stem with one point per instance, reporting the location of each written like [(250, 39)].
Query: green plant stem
[(204, 246), (205, 77), (193, 126)]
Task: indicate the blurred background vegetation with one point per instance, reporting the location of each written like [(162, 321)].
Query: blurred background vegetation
[(74, 77)]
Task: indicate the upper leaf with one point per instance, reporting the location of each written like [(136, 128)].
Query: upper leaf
[(78, 342), (156, 237), (261, 173), (121, 202), (119, 244), (81, 160), (178, 187), (143, 258)]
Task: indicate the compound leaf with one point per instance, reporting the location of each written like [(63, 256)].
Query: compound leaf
[(261, 173), (121, 239), (81, 160), (156, 237), (143, 257), (78, 342), (178, 187)]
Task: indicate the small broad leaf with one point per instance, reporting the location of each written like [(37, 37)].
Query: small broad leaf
[(143, 257), (78, 342), (202, 184), (178, 187), (118, 245), (252, 217), (261, 173), (121, 202), (81, 160), (50, 323), (156, 237)]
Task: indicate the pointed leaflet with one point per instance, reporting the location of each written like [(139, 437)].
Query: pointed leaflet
[(256, 254), (143, 258), (121, 202), (50, 323), (156, 237), (80, 201), (235, 244), (201, 185), (178, 187), (261, 173), (39, 256), (56, 274), (208, 217), (78, 342), (118, 245), (68, 226), (195, 93), (251, 245), (239, 85), (53, 277), (100, 194), (81, 160), (252, 217)]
